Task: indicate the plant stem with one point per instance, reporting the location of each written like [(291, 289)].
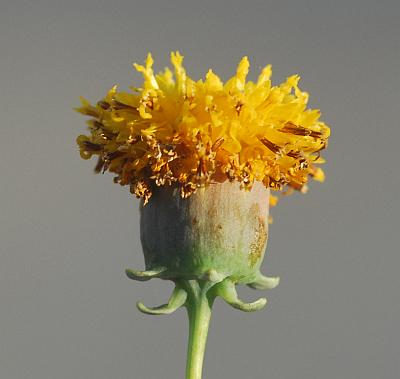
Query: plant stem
[(199, 312)]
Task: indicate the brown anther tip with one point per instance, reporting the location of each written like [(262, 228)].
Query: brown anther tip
[(294, 154), (271, 146), (117, 105), (99, 166), (238, 107), (90, 146), (103, 104), (217, 144)]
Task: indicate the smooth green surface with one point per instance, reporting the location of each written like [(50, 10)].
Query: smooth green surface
[(198, 306)]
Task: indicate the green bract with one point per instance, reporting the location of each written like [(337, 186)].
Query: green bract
[(219, 231)]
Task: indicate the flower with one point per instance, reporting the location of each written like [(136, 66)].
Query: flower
[(174, 130), (193, 147)]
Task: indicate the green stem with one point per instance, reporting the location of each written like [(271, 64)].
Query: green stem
[(199, 311)]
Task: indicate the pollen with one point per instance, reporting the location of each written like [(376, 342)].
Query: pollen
[(174, 130)]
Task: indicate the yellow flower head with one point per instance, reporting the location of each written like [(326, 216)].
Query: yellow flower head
[(174, 130)]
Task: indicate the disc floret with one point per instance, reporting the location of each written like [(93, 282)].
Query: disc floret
[(175, 130)]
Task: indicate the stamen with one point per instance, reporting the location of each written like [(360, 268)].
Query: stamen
[(294, 154), (103, 104), (217, 144), (100, 165), (271, 146), (238, 107), (299, 130), (117, 105), (90, 146)]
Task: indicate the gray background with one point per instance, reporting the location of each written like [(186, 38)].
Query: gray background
[(66, 308)]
